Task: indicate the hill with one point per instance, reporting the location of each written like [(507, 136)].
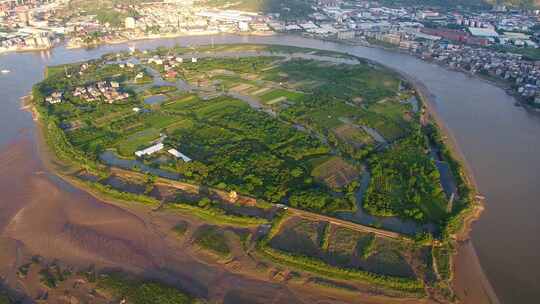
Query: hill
[(288, 9)]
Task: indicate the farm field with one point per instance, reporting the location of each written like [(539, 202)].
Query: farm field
[(323, 107), (339, 248)]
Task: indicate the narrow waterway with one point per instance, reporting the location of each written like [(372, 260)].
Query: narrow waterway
[(501, 143)]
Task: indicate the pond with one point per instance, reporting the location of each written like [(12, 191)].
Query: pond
[(155, 99)]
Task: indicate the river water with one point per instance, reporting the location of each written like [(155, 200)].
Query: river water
[(500, 141)]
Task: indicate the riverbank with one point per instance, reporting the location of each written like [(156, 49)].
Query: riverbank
[(26, 49), (465, 263), (70, 45)]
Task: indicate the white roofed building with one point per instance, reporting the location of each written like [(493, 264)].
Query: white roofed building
[(483, 32), (179, 154), (150, 150)]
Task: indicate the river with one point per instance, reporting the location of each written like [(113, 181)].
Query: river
[(500, 141)]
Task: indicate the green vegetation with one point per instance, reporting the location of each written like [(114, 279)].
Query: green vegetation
[(312, 164), (313, 265), (442, 256), (299, 236), (105, 10), (465, 204), (339, 253), (215, 215), (273, 96), (527, 52), (53, 275), (180, 228), (325, 236), (23, 270), (297, 132), (333, 284), (366, 246), (122, 196), (213, 239), (140, 292), (405, 182)]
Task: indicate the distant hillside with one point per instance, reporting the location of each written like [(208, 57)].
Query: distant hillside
[(288, 9)]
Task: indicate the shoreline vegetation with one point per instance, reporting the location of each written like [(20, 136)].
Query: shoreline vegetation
[(69, 162)]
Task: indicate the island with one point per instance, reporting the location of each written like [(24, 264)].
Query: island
[(319, 168)]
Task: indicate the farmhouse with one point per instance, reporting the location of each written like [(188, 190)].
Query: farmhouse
[(179, 154), (55, 98), (150, 150), (109, 91)]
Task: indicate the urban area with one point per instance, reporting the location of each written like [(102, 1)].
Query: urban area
[(496, 42)]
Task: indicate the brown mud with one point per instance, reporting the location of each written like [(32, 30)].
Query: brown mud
[(41, 214)]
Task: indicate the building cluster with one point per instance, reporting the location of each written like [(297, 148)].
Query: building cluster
[(54, 98), (158, 147), (107, 91), (29, 24), (523, 75), (171, 17), (463, 39)]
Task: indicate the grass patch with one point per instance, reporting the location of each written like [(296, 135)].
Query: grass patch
[(335, 173), (213, 239), (180, 228), (352, 134), (216, 216), (442, 257), (279, 93), (300, 236), (303, 263), (140, 292), (137, 141), (406, 183)]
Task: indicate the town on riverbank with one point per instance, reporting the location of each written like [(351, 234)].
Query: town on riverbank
[(496, 42)]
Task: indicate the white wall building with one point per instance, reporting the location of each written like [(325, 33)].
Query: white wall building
[(179, 154), (150, 150)]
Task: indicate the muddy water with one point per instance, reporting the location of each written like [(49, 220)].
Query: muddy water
[(501, 142)]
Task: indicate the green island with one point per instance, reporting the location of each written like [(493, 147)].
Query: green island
[(308, 153)]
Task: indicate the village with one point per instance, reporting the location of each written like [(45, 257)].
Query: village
[(500, 43), (102, 91)]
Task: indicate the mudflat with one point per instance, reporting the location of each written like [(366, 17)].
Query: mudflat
[(41, 214)]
